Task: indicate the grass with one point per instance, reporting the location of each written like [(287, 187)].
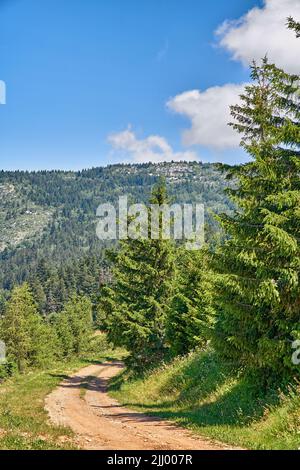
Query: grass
[(24, 423), (210, 398)]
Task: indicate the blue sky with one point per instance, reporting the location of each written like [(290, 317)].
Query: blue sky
[(88, 81)]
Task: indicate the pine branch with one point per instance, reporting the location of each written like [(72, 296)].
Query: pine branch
[(293, 25)]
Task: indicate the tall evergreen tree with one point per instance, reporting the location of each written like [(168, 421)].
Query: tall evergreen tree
[(259, 264), (191, 315), (74, 325), (136, 304)]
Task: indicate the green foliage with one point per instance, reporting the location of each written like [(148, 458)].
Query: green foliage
[(294, 25), (7, 369), (47, 221), (32, 341), (73, 326), (210, 397), (258, 284), (135, 306), (156, 298), (191, 316), (27, 337)]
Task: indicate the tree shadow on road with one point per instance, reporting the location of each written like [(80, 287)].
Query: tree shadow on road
[(202, 392)]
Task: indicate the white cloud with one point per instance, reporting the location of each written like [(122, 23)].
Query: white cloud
[(209, 112), (151, 149), (263, 31)]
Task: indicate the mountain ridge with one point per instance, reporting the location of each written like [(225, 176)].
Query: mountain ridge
[(48, 217)]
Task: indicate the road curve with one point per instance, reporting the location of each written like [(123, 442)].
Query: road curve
[(101, 423)]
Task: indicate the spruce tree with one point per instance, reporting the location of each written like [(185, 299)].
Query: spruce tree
[(64, 335), (258, 282), (135, 306), (74, 325), (38, 293), (191, 316)]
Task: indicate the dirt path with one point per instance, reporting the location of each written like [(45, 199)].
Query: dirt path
[(99, 422)]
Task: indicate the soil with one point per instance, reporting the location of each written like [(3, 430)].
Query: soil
[(99, 422)]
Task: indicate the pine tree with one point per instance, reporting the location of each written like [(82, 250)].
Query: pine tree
[(136, 304), (27, 337), (74, 325), (258, 283), (191, 316), (63, 334), (294, 25), (38, 293)]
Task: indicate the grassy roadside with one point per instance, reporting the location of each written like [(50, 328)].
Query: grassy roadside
[(23, 421), (206, 396)]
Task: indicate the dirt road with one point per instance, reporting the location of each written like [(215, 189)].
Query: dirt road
[(99, 422)]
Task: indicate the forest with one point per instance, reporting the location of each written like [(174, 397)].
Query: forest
[(236, 300), (48, 220)]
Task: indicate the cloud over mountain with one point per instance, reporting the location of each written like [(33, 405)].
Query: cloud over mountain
[(153, 148)]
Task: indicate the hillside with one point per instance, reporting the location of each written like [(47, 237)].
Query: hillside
[(214, 399), (47, 220)]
